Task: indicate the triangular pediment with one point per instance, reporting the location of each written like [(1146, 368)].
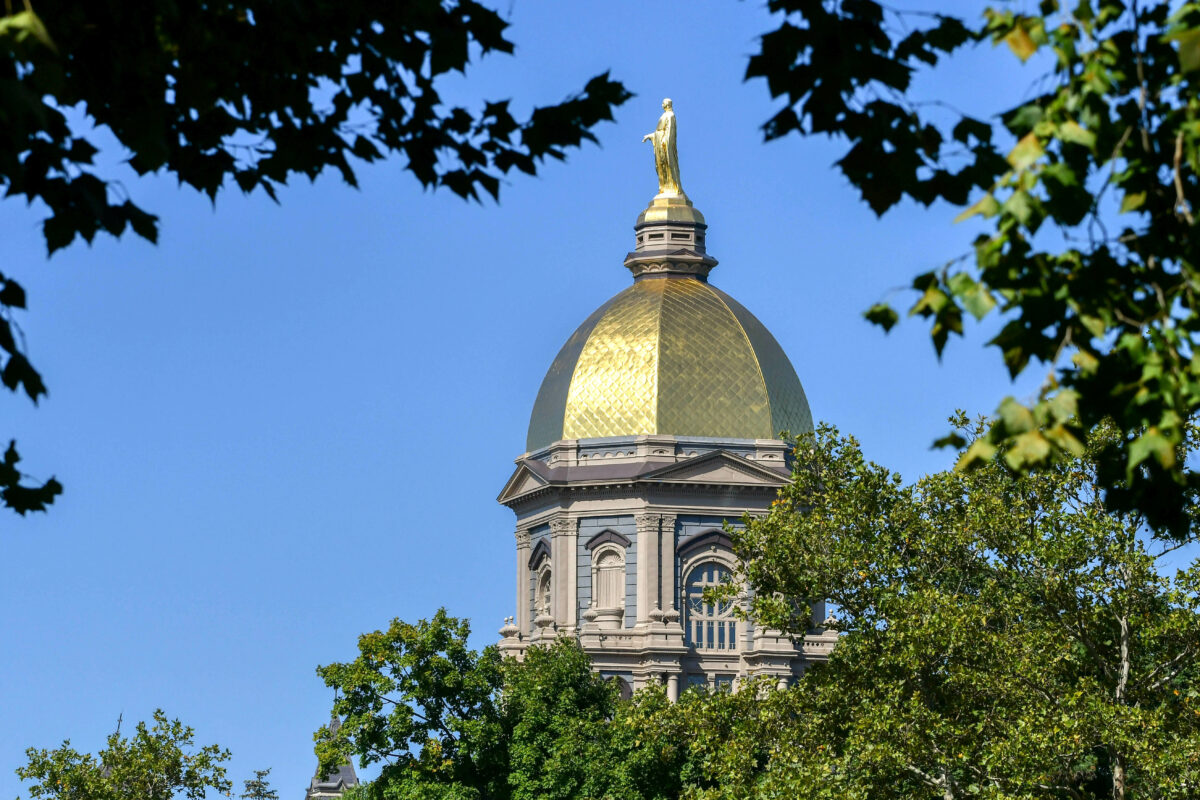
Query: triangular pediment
[(523, 481), (719, 467)]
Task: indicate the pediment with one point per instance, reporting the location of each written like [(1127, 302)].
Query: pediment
[(523, 481), (719, 467)]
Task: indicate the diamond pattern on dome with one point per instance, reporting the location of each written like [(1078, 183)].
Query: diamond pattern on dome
[(615, 385), (673, 356), (709, 379), (546, 423), (789, 405)]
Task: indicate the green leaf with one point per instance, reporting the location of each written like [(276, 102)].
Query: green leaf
[(1085, 361), (1021, 206), (1072, 131), (1151, 443), (1021, 43), (12, 294), (953, 440), (1028, 150), (7, 342), (932, 301), (1017, 418), (883, 315), (19, 372), (1065, 440), (974, 296), (1188, 42), (1133, 201), (980, 452), (1027, 449), (25, 25), (986, 206), (145, 225)]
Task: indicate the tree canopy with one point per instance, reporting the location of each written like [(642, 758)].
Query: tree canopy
[(1003, 635), (158, 762), (1088, 191), (446, 721), (246, 94)]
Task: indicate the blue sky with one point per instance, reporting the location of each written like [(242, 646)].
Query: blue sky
[(285, 425)]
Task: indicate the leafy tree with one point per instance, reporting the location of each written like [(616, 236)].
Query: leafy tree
[(258, 787), (248, 93), (159, 762), (1003, 635), (447, 721), (1087, 189)]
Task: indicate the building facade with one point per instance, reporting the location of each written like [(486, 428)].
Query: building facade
[(656, 424)]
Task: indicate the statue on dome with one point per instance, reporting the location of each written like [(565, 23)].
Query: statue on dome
[(666, 157)]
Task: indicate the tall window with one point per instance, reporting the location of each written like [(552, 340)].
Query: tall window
[(709, 626), (609, 578)]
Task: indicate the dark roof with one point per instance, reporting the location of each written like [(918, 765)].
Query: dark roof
[(335, 783)]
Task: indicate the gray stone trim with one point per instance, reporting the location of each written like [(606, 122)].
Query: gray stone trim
[(712, 539), (540, 551), (604, 537)]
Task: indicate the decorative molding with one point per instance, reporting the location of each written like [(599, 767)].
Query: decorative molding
[(717, 467), (541, 552), (606, 536), (709, 540), (523, 481), (523, 536), (647, 522), (561, 526), (625, 489)]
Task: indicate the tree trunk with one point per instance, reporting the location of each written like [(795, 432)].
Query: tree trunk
[(1118, 772)]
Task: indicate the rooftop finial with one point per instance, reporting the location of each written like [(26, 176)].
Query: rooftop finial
[(666, 156)]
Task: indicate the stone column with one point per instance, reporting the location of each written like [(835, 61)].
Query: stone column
[(673, 687), (563, 539), (666, 564), (523, 620), (647, 565)]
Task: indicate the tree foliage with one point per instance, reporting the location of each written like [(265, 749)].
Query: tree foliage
[(1004, 635), (446, 721), (1087, 190), (249, 94), (258, 787), (159, 762)]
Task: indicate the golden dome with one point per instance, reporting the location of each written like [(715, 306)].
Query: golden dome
[(669, 355)]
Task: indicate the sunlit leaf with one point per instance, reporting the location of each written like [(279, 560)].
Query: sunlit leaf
[(1133, 201), (1027, 151)]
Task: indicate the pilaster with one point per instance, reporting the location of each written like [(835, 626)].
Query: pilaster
[(524, 623), (564, 537), (666, 561), (647, 565)]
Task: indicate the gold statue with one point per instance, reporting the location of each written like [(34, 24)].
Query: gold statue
[(666, 157)]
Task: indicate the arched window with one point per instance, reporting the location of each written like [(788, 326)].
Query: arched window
[(608, 578), (708, 626)]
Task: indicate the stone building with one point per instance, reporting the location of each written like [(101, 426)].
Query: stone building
[(657, 422)]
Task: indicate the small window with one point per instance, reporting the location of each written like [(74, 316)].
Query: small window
[(610, 578)]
